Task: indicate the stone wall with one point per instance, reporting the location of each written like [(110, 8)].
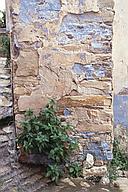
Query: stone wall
[(63, 50)]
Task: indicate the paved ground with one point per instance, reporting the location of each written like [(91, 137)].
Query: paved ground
[(123, 182)]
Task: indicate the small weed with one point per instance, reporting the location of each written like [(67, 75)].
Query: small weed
[(54, 172), (75, 170), (119, 162)]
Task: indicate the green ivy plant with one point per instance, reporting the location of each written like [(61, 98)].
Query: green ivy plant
[(47, 135)]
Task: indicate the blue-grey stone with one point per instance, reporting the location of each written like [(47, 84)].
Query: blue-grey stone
[(45, 10), (79, 27), (109, 155), (121, 110), (105, 145), (67, 112), (91, 71)]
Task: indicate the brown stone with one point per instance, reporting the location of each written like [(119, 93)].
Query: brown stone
[(35, 102), (94, 87), (27, 63), (26, 34), (98, 163), (26, 81), (22, 91), (87, 127), (85, 101)]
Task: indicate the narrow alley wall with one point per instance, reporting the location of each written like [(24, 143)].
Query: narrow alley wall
[(120, 72), (63, 50)]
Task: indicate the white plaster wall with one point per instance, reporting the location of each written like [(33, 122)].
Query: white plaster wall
[(2, 4), (120, 46)]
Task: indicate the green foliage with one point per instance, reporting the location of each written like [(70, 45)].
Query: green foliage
[(119, 162), (54, 172), (113, 172), (3, 20), (5, 45), (75, 170), (46, 134), (4, 40), (120, 159)]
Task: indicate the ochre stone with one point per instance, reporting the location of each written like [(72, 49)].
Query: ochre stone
[(35, 102), (27, 63), (85, 101)]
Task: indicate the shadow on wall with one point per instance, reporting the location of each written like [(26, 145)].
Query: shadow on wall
[(121, 120)]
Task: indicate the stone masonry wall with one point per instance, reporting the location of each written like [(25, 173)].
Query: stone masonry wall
[(5, 90), (62, 49)]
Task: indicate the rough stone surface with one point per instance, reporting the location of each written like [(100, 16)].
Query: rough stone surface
[(15, 176), (63, 50), (89, 161), (95, 171), (5, 90), (105, 180), (123, 184)]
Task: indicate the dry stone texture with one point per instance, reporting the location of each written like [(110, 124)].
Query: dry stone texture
[(63, 50), (5, 90)]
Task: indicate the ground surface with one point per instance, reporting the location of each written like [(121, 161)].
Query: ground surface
[(15, 177)]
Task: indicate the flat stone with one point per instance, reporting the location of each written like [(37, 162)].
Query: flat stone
[(4, 102), (5, 82), (30, 102), (106, 3), (8, 129), (105, 180), (78, 6), (84, 184), (95, 171), (68, 181), (81, 101), (89, 162), (3, 138), (6, 112), (29, 59)]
